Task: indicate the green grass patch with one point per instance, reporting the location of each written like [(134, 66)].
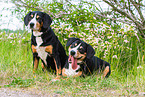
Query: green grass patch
[(126, 79)]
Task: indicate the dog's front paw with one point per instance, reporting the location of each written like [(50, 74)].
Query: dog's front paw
[(56, 79)]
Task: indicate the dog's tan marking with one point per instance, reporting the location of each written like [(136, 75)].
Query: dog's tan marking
[(63, 74), (41, 24), (81, 47), (37, 16), (69, 48), (32, 16), (105, 71), (49, 49), (36, 61), (81, 55), (58, 71), (33, 49), (38, 26)]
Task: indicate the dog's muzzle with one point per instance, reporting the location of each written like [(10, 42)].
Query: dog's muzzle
[(72, 52), (31, 25)]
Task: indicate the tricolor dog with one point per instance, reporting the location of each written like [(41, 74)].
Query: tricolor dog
[(82, 62), (44, 43)]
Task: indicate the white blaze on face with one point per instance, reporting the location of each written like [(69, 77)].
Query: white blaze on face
[(74, 49), (35, 23)]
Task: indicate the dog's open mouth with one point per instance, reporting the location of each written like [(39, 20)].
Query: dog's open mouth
[(73, 62)]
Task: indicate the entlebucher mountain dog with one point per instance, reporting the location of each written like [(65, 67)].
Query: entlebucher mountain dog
[(82, 62), (44, 43)]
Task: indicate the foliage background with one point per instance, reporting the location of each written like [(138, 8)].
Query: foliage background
[(119, 44)]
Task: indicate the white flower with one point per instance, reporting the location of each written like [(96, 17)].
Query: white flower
[(23, 38), (87, 29), (11, 34), (139, 67), (1, 33), (109, 37), (114, 56), (19, 41), (126, 41)]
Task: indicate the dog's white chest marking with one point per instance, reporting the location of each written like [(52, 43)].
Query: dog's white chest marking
[(41, 50), (42, 53), (39, 41), (70, 71), (37, 33)]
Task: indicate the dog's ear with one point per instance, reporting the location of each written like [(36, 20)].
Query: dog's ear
[(26, 19), (46, 20), (71, 40), (90, 52)]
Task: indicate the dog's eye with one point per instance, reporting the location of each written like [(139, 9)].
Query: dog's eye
[(81, 50), (72, 46)]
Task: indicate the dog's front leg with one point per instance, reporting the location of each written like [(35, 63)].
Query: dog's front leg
[(35, 58), (58, 66), (35, 62)]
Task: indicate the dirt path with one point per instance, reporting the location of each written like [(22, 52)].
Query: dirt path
[(5, 92)]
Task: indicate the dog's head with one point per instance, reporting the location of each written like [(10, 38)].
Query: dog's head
[(79, 50), (37, 20)]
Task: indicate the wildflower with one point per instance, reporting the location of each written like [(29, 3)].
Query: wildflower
[(126, 41), (56, 29), (9, 37), (109, 37), (87, 29), (129, 48), (106, 42), (34, 76), (10, 41), (19, 41), (114, 56), (65, 39), (139, 67), (97, 40), (23, 38), (11, 34), (1, 33)]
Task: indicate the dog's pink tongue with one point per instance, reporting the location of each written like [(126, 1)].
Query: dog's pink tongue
[(74, 62)]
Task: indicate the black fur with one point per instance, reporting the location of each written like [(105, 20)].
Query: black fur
[(49, 38), (91, 63)]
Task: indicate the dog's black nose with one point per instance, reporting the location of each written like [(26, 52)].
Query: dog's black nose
[(31, 25), (72, 52)]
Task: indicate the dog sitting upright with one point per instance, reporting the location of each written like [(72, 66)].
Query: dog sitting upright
[(82, 62), (44, 43)]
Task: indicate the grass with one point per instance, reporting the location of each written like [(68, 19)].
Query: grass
[(127, 76)]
